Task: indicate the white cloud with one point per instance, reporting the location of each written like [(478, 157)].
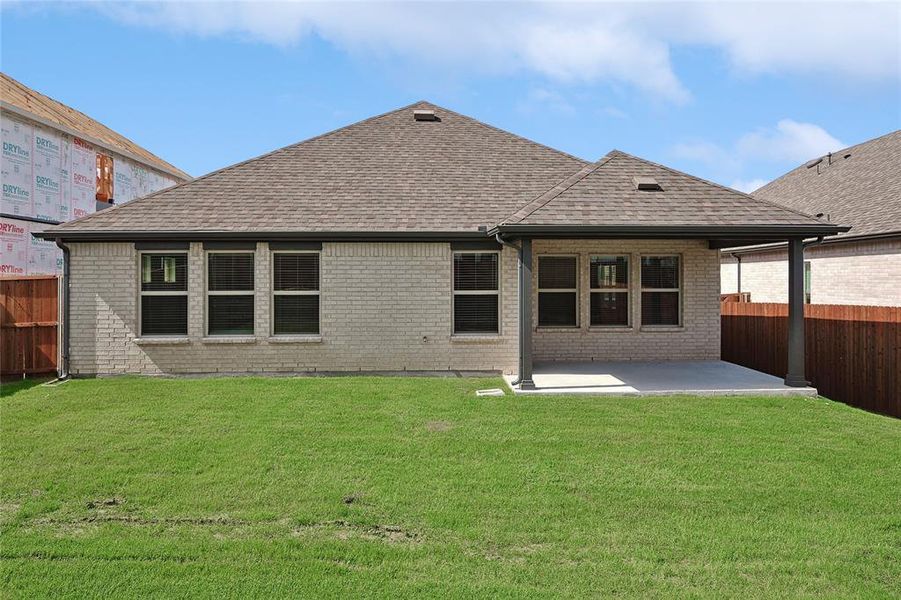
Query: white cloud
[(627, 43), (787, 144), (541, 98), (788, 141), (748, 185)]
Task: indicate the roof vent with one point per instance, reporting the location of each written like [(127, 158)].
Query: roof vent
[(425, 115), (646, 184), (811, 164)]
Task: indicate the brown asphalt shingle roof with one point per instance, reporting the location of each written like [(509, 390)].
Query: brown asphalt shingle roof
[(21, 96), (863, 190), (604, 194), (387, 173), (393, 174)]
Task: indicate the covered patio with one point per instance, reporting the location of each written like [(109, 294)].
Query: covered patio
[(648, 378)]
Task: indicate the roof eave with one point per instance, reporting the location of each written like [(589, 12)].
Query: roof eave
[(262, 236), (761, 232)]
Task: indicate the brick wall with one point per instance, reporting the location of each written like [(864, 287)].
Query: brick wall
[(863, 273), (384, 306), (699, 336)]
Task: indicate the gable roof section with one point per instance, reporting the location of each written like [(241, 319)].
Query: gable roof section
[(604, 195), (863, 190), (388, 173), (19, 96)]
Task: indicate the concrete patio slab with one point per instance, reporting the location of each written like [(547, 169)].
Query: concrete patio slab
[(710, 377)]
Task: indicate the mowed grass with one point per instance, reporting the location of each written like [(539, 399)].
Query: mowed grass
[(361, 487)]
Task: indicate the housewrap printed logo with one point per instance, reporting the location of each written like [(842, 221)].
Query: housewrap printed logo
[(11, 228), (17, 192), (15, 150), (45, 144), (46, 184)]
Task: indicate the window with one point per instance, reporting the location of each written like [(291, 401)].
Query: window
[(660, 290), (295, 293), (476, 292), (164, 294), (807, 282), (557, 291), (230, 293), (609, 290)]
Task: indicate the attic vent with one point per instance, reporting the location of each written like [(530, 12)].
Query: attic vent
[(811, 164), (646, 184), (425, 115)]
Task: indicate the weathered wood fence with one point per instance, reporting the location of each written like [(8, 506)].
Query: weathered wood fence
[(28, 326), (853, 353)]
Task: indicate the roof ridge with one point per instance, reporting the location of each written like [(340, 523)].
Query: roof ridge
[(54, 108), (239, 164), (713, 183), (542, 200)]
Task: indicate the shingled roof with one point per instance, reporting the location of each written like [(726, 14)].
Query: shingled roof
[(387, 173), (859, 186), (16, 95), (606, 193), (398, 175)]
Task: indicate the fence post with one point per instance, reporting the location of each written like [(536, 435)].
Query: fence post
[(795, 376)]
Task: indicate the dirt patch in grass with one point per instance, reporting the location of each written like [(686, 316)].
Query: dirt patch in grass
[(437, 426), (393, 534)]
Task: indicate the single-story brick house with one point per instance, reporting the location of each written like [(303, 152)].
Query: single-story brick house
[(420, 239)]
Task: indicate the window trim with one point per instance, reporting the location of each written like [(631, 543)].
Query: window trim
[(273, 293), (208, 293), (142, 293), (681, 272), (496, 292), (623, 290), (539, 289)]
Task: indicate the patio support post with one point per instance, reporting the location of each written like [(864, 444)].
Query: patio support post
[(525, 315), (795, 376)]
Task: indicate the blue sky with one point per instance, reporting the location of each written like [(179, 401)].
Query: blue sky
[(737, 93)]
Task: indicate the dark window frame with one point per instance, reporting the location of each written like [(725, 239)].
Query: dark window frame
[(627, 291), (495, 292), (575, 291), (210, 293), (144, 293), (680, 272), (273, 293)]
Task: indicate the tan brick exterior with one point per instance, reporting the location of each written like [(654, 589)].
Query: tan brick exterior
[(698, 337), (864, 273), (384, 306)]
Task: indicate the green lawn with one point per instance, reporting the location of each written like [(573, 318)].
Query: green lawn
[(352, 487)]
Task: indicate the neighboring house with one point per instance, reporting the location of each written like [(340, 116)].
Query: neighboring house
[(57, 165), (859, 186), (420, 239)]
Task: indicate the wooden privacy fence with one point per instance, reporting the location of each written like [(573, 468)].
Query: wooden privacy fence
[(28, 326), (853, 353)]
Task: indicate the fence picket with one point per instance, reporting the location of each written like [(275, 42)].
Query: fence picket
[(853, 352)]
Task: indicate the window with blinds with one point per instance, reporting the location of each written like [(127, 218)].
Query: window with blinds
[(476, 292), (164, 294), (295, 293), (661, 290), (609, 282), (558, 291), (230, 299)]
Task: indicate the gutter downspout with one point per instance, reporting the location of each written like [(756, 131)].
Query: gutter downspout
[(737, 257), (63, 369)]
